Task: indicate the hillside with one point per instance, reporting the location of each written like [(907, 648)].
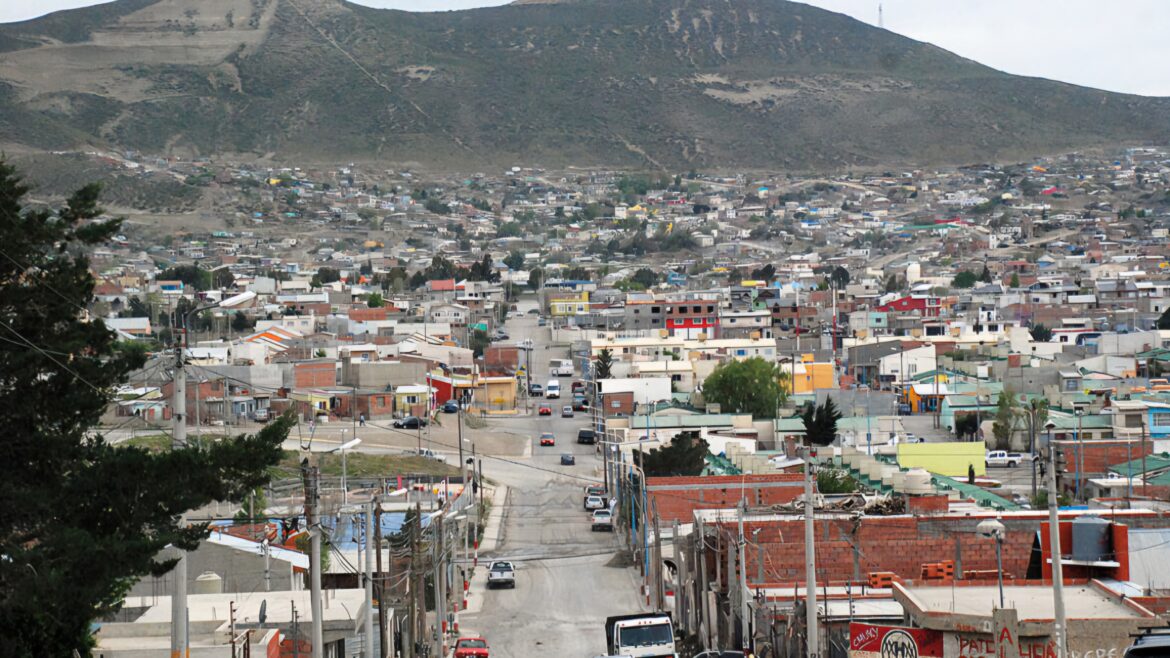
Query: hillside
[(642, 83)]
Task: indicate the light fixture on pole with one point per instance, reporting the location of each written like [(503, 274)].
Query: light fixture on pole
[(347, 445), (993, 529), (180, 642)]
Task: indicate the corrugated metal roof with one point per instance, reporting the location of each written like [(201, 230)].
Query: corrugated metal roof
[(1149, 552)]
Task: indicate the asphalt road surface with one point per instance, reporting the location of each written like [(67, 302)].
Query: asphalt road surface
[(568, 578)]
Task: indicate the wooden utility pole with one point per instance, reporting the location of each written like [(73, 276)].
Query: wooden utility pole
[(380, 580)]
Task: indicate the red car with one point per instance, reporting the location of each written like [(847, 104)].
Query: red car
[(471, 647), (548, 439), (545, 411)]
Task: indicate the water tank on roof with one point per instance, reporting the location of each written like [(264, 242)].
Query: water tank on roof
[(208, 582), (1091, 539), (918, 482)]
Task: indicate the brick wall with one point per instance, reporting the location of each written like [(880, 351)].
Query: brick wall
[(314, 374), (678, 497)]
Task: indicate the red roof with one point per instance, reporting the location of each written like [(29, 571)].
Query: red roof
[(442, 285)]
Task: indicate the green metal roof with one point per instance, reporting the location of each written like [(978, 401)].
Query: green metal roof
[(1155, 462), (971, 491)]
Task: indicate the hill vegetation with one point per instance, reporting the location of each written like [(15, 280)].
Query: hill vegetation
[(654, 83)]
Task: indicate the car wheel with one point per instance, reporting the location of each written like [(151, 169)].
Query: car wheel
[(1012, 464)]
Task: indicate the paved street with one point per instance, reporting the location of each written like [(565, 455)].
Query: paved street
[(568, 578)]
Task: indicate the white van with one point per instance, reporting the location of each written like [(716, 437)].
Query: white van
[(552, 389)]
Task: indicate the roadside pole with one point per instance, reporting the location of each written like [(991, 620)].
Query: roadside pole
[(370, 548), (179, 643), (1060, 628), (380, 582), (810, 594), (311, 521), (744, 613)]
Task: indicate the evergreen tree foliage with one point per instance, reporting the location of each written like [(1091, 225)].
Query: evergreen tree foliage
[(80, 519), (686, 454), (820, 423)]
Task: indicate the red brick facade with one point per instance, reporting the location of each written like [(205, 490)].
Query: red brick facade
[(314, 374), (678, 497)]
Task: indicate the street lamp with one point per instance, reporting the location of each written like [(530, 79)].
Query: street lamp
[(180, 642), (993, 529), (342, 448), (1080, 454)]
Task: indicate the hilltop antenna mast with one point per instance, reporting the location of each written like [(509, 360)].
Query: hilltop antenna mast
[(881, 22)]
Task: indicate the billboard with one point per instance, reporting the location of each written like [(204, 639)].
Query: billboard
[(869, 641)]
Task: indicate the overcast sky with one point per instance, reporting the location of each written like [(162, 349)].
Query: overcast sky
[(1119, 45)]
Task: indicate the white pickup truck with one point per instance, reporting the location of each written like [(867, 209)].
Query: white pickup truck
[(1003, 458), (501, 574)]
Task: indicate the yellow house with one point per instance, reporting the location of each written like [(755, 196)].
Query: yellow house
[(925, 397), (496, 393), (951, 458), (568, 304), (809, 375)]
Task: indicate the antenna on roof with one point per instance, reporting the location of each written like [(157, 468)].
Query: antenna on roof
[(881, 22)]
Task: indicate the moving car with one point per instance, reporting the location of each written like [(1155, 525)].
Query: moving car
[(568, 460), (500, 336), (586, 435), (545, 411), (472, 647), (567, 411), (501, 574), (536, 390), (548, 439), (1003, 458), (602, 520), (593, 503), (450, 407), (410, 423), (541, 322)]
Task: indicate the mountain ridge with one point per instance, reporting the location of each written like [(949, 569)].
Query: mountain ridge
[(631, 83)]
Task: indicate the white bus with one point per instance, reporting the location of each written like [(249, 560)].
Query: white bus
[(560, 367)]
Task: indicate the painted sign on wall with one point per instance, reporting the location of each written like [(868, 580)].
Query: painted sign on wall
[(869, 641)]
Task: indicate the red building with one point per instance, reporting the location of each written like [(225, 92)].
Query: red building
[(689, 318), (927, 306)]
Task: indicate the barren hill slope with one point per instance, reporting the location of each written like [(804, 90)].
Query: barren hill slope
[(659, 83)]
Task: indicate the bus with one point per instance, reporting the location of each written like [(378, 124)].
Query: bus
[(560, 367)]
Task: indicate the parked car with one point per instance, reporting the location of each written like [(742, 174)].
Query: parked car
[(567, 411), (586, 435), (578, 387), (499, 335), (427, 453), (541, 322), (472, 647), (594, 502), (602, 520), (548, 439), (535, 390), (1003, 458), (545, 411), (260, 415), (580, 403), (568, 460), (533, 311), (410, 423), (525, 344), (501, 574), (450, 407)]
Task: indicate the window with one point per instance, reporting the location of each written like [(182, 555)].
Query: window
[(1161, 419), (655, 309), (697, 309), (1071, 384), (710, 309)]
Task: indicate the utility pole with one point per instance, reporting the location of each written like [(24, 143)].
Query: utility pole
[(810, 559), (744, 613), (370, 548), (312, 503), (437, 569), (1060, 627), (384, 646), (1145, 478), (180, 647), (659, 580)]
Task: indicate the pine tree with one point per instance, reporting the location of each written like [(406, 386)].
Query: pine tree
[(820, 423), (80, 519)]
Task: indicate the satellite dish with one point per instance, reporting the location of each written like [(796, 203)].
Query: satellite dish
[(263, 611)]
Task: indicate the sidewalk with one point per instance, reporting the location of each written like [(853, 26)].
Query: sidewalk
[(492, 537)]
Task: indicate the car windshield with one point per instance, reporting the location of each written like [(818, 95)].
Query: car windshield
[(472, 644), (601, 514), (643, 636), (502, 566)]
